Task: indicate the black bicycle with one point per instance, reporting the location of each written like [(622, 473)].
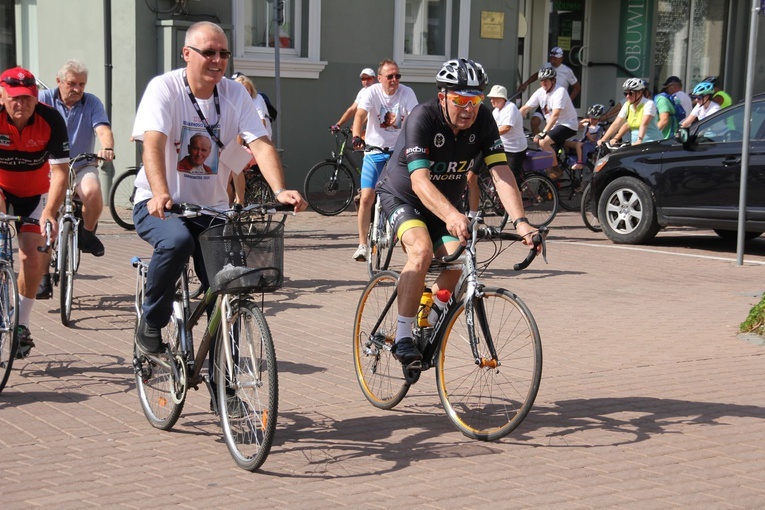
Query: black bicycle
[(485, 346), (330, 185)]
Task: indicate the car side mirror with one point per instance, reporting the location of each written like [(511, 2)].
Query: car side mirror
[(683, 136)]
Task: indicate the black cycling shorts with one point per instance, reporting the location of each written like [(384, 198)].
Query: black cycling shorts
[(403, 216), (560, 134)]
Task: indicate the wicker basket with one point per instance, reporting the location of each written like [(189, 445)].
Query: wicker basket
[(244, 257)]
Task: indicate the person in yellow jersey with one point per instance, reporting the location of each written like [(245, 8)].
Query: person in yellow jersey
[(638, 112)]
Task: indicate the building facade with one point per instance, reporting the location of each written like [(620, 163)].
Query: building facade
[(323, 45)]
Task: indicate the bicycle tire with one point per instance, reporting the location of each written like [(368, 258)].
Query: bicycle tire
[(487, 403), (66, 277), (569, 193), (162, 397), (249, 420), (378, 372), (380, 248), (589, 217), (329, 188), (121, 199), (492, 210), (9, 320), (257, 190), (540, 199)]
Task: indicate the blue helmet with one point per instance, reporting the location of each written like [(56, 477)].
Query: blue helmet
[(703, 89)]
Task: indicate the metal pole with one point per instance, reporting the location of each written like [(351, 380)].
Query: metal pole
[(747, 128), (277, 5)]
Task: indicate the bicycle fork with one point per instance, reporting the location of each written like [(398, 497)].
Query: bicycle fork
[(476, 308)]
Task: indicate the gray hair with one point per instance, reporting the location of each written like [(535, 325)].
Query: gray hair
[(200, 26), (73, 66)]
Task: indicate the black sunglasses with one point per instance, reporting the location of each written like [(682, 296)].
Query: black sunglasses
[(391, 76), (26, 82), (210, 53)]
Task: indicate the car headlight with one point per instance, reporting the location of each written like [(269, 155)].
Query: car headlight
[(599, 164)]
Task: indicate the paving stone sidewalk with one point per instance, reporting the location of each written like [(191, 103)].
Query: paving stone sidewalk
[(649, 398)]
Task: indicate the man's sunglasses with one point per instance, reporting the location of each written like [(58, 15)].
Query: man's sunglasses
[(25, 82), (391, 76), (463, 101), (210, 53)]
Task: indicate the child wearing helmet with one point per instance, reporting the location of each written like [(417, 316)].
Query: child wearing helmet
[(638, 115), (592, 131), (702, 94)]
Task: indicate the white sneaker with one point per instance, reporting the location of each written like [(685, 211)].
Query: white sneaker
[(360, 254)]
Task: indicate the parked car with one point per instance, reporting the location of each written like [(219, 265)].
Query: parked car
[(692, 180)]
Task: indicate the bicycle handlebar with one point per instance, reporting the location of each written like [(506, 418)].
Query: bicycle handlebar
[(485, 232), (193, 210)]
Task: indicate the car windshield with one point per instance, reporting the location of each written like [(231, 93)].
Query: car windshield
[(729, 125)]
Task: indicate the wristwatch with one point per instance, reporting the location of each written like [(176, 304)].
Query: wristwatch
[(542, 134), (522, 219)]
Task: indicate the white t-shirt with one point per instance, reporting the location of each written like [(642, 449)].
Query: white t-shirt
[(701, 112), (167, 108), (557, 98), (685, 100), (385, 114), (260, 105), (564, 76), (515, 139)]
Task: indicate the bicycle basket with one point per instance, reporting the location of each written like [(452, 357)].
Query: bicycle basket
[(244, 257)]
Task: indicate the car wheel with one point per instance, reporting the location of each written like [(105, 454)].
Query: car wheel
[(732, 235), (627, 211)]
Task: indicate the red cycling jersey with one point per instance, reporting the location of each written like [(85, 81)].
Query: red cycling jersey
[(25, 156)]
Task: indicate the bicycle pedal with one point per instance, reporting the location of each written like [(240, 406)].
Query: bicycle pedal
[(414, 365)]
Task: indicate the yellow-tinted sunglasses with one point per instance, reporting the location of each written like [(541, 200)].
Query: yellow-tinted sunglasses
[(463, 101)]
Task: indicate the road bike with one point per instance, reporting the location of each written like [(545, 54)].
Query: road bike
[(121, 198), (330, 185), (485, 345), (381, 240), (9, 294), (243, 254), (65, 259)]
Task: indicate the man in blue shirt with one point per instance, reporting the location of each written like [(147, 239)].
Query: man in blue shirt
[(85, 120)]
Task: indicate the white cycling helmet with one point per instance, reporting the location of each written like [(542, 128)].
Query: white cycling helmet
[(634, 84)]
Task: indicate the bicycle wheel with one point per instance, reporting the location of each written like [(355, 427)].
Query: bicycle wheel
[(257, 190), (380, 248), (589, 215), (492, 210), (248, 394), (540, 199), (121, 199), (380, 375), (329, 188), (162, 395), (66, 277), (9, 319), (569, 190), (486, 401)]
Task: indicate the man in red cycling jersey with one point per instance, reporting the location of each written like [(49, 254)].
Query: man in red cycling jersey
[(34, 154)]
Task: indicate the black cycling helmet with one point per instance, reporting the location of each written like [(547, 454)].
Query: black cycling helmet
[(711, 79), (462, 74), (596, 110), (547, 73)]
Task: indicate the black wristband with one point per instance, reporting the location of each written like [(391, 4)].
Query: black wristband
[(542, 134), (522, 219)]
